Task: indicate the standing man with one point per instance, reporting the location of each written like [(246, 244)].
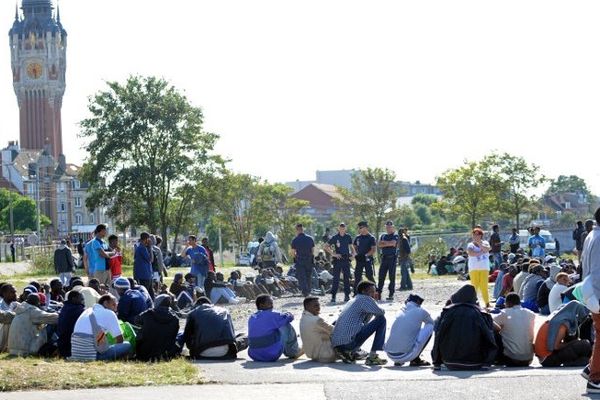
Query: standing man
[(591, 269), (365, 246), (537, 244), (199, 259), (142, 263), (405, 261), (341, 250), (496, 244), (303, 246), (96, 253), (388, 243), (12, 251), (63, 262), (514, 241), (211, 255), (579, 229)]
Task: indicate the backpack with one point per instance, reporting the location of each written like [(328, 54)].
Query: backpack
[(267, 253)]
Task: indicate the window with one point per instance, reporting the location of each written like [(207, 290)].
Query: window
[(77, 201), (568, 205), (76, 184), (63, 207), (61, 187), (78, 219), (92, 218)]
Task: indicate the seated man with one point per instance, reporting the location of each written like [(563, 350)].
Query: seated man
[(8, 304), (209, 333), (67, 317), (360, 318), (459, 348), (316, 333), (217, 290), (27, 334), (90, 296), (531, 286), (557, 342), (159, 326), (88, 342), (270, 333), (56, 291), (543, 294), (555, 298), (183, 290), (508, 281), (131, 301), (515, 327), (410, 333)]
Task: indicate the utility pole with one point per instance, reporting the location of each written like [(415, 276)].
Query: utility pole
[(221, 248), (10, 202)]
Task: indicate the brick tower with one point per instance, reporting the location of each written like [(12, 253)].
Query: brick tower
[(38, 45)]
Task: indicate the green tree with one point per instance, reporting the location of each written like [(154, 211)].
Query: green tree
[(24, 212), (470, 191), (518, 179), (143, 139), (407, 217), (568, 184), (372, 197), (423, 213), (425, 199)]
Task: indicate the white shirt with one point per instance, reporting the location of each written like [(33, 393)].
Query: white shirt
[(517, 332), (554, 299), (107, 320), (406, 328), (480, 262)]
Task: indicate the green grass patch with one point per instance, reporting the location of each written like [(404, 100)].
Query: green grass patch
[(54, 374)]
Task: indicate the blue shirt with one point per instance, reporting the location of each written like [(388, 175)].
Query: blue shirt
[(95, 261), (537, 244), (142, 267), (303, 244), (341, 244), (389, 251), (364, 243), (264, 338), (131, 304), (199, 258)]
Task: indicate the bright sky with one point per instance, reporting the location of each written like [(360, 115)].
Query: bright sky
[(292, 87)]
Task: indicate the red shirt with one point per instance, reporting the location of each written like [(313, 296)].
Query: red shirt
[(507, 283), (115, 265)]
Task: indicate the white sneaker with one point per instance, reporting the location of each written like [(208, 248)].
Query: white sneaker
[(233, 300)]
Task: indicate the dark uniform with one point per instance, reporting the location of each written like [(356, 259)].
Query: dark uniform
[(363, 244), (388, 264), (341, 245), (304, 244)]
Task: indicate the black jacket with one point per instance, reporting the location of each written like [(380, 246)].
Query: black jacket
[(209, 326), (156, 339), (464, 335), (67, 318), (63, 260)]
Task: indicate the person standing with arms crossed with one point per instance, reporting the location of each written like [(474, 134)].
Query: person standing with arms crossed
[(479, 264), (388, 243), (405, 261), (303, 247), (365, 246), (341, 250)]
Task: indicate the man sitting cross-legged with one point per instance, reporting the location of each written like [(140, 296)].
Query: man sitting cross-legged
[(410, 333), (515, 327), (354, 326), (316, 333)]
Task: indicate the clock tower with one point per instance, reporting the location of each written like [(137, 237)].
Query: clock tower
[(38, 45)]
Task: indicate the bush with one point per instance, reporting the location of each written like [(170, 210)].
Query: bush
[(433, 246), (43, 263)]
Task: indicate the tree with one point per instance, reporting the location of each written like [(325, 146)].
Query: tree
[(144, 138), (518, 177), (425, 199), (286, 214), (407, 217), (24, 213), (372, 197), (423, 212), (568, 184), (470, 191)]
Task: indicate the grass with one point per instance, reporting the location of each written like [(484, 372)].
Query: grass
[(55, 374)]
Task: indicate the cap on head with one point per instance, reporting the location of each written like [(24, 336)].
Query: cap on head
[(389, 223), (122, 283), (342, 225), (363, 224)]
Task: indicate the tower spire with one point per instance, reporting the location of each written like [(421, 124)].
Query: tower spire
[(58, 12), (17, 10)]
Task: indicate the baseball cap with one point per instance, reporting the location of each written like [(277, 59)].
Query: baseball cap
[(342, 225), (389, 223), (363, 224)]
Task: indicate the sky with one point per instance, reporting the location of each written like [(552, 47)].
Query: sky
[(293, 87)]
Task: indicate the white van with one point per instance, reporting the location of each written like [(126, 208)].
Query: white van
[(550, 243)]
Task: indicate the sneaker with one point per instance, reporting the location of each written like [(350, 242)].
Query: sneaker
[(586, 373), (346, 299), (398, 364), (375, 360), (419, 362), (332, 301), (390, 298), (437, 367), (593, 387), (360, 354), (346, 356)]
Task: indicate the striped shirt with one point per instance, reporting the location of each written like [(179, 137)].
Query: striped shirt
[(355, 315)]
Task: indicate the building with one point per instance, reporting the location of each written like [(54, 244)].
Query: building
[(38, 45), (342, 177), (409, 189), (321, 199)]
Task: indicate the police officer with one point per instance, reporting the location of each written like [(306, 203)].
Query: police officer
[(341, 250), (388, 243), (365, 246), (303, 246)]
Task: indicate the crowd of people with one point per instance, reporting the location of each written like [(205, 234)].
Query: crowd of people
[(140, 317)]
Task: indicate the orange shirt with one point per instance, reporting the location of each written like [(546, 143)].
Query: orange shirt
[(541, 342)]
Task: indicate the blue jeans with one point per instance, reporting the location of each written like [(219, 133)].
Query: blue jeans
[(341, 266), (200, 278), (304, 270), (289, 340), (405, 280), (498, 284), (377, 326), (115, 352), (497, 260)]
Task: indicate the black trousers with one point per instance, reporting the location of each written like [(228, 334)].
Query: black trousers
[(147, 283), (575, 353), (341, 266), (388, 266), (367, 267)]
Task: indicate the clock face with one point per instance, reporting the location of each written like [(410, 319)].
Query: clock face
[(34, 70)]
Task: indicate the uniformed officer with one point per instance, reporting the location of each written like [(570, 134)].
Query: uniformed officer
[(388, 243), (303, 247), (341, 250), (365, 246)]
